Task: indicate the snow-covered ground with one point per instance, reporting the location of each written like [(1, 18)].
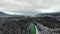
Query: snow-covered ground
[(45, 30)]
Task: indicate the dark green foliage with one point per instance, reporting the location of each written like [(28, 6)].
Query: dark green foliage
[(32, 29)]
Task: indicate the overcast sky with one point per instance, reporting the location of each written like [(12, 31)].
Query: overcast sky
[(29, 7)]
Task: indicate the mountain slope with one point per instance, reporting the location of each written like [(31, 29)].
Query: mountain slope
[(52, 14), (4, 14)]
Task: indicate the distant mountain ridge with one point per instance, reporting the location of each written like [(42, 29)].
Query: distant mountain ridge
[(52, 14), (4, 14)]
